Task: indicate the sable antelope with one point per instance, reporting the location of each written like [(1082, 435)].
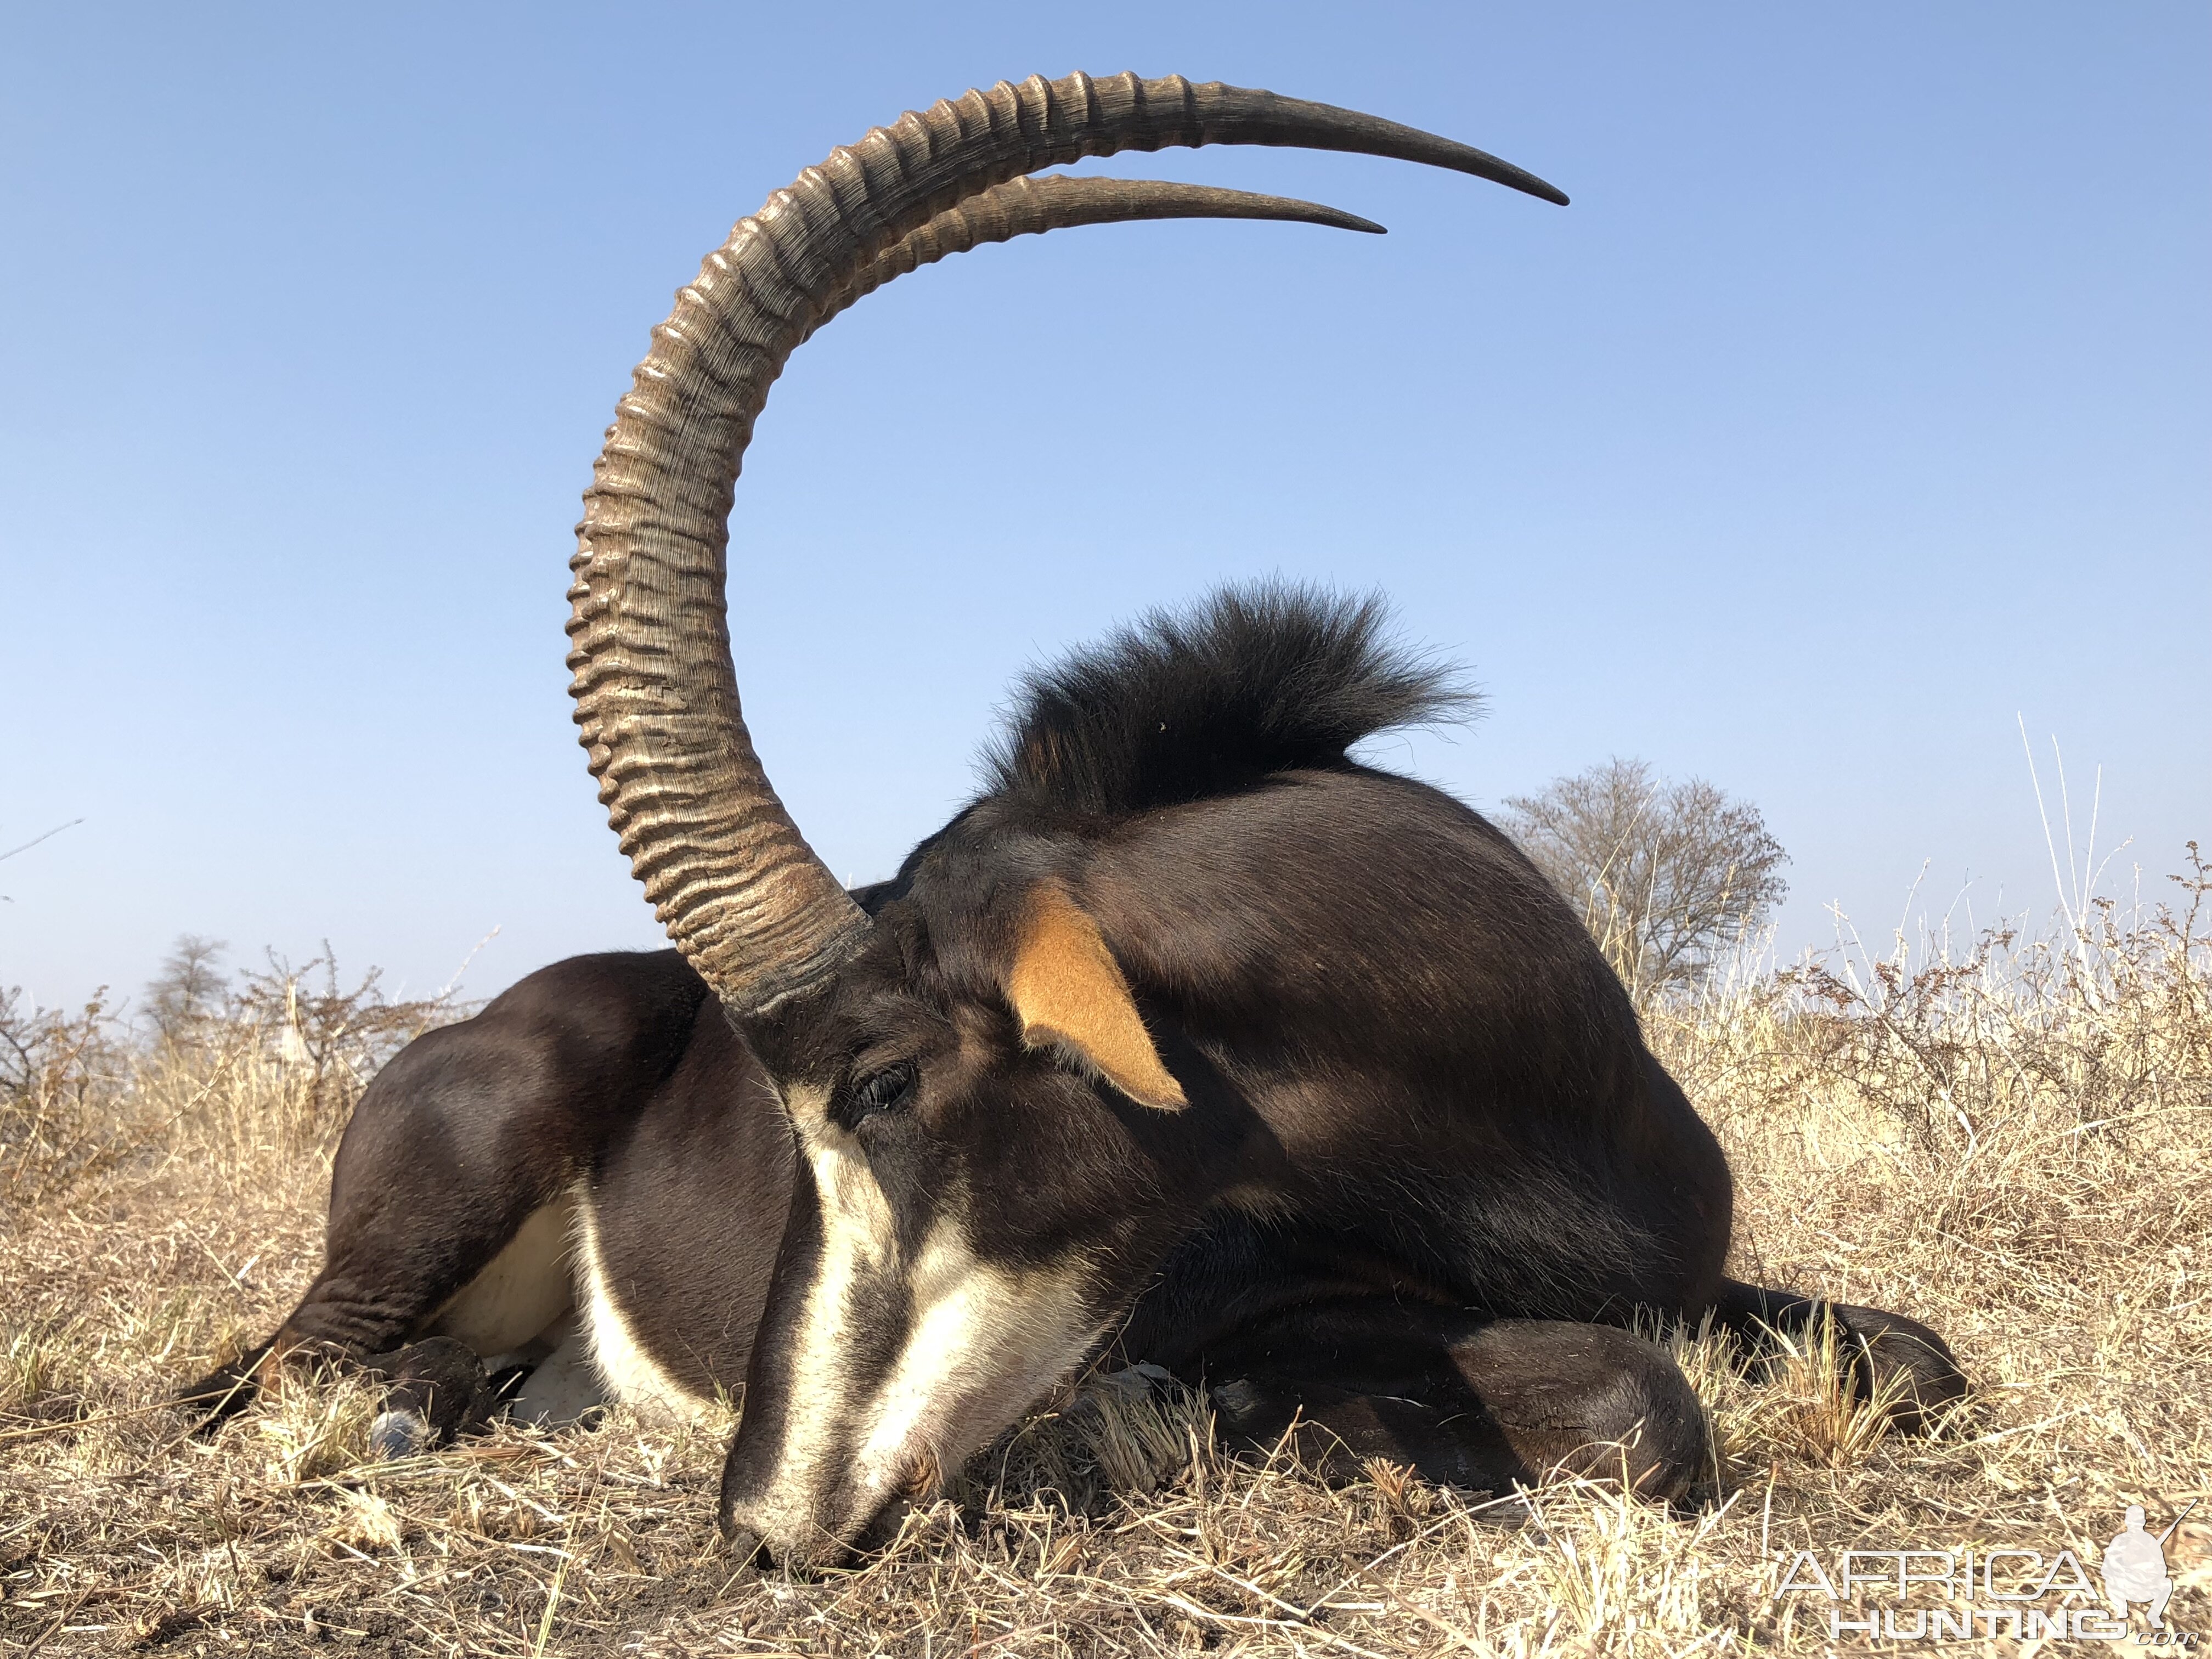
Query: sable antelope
[(1191, 1040)]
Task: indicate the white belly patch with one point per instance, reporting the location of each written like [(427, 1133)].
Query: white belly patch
[(525, 1289)]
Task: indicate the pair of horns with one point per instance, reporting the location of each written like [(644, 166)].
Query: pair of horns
[(740, 892)]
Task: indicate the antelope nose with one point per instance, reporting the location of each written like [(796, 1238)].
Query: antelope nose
[(882, 1532), (745, 1547)]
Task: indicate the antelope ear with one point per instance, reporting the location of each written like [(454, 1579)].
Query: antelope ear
[(1069, 993)]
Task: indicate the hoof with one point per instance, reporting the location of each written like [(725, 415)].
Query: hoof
[(1901, 1364), (438, 1384), (223, 1393)]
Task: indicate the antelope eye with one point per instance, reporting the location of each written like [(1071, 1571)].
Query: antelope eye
[(885, 1090)]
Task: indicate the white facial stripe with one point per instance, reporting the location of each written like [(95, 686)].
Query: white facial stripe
[(858, 1241), (980, 1336)]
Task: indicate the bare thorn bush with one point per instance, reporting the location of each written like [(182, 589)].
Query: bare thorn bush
[(240, 1073)]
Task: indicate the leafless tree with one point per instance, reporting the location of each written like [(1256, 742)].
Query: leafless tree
[(190, 986), (1665, 875)]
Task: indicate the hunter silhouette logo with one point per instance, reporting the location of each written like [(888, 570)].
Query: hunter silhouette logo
[(2134, 1567)]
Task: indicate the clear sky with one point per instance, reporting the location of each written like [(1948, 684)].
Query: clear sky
[(1859, 408)]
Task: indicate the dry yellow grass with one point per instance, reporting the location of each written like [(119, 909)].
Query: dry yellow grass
[(2011, 1143)]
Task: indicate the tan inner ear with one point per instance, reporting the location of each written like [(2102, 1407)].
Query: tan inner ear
[(1068, 990)]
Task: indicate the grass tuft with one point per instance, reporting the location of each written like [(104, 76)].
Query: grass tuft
[(2010, 1138)]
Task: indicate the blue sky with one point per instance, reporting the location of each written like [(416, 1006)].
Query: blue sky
[(1857, 410)]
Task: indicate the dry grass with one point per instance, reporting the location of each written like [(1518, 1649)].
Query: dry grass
[(2009, 1141)]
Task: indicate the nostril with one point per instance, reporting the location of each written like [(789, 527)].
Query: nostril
[(745, 1545), (883, 1530)]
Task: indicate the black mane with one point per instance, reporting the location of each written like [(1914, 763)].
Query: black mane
[(1180, 706)]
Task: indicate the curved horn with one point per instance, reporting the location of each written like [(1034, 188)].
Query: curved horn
[(740, 892), (1030, 207)]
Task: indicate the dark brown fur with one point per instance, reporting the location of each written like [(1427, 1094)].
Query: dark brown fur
[(1427, 1169)]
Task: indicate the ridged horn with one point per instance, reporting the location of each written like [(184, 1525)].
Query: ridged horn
[(1030, 207), (740, 892)]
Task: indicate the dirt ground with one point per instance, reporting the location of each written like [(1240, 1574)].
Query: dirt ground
[(2012, 1141)]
